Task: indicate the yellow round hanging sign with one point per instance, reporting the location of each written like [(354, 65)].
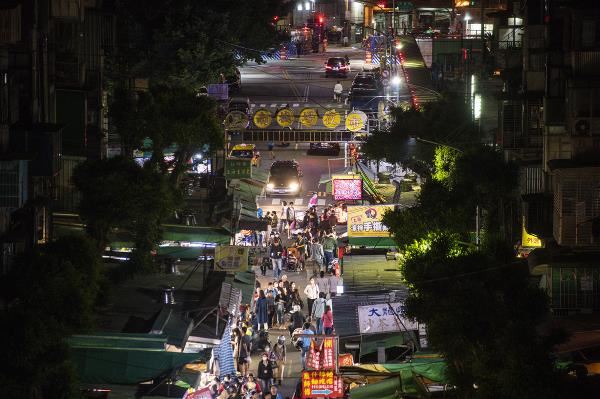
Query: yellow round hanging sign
[(332, 119), (285, 117), (309, 117), (262, 118), (354, 122)]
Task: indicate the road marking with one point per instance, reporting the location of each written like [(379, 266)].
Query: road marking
[(263, 105), (295, 105), (273, 105)]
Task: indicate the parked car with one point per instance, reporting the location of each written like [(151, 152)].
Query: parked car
[(323, 149), (284, 178), (239, 104), (337, 66)]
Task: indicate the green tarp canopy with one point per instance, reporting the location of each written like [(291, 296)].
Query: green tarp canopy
[(390, 388), (432, 368), (195, 234), (127, 362), (369, 343), (119, 341), (373, 242)]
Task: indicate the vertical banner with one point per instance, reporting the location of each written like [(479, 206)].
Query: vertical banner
[(322, 354)]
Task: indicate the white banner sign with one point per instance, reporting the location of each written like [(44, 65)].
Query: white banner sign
[(384, 318)]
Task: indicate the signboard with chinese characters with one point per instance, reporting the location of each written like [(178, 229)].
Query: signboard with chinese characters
[(202, 393), (529, 240), (238, 168), (321, 384), (322, 354), (285, 117), (347, 187), (366, 221), (332, 119), (231, 258), (262, 118), (309, 117), (384, 318)]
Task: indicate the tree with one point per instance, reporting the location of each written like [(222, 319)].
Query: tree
[(447, 121), (188, 43), (118, 193), (462, 181), (168, 116), (481, 315), (50, 294)]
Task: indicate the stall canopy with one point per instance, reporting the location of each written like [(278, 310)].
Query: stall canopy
[(125, 358), (409, 373)]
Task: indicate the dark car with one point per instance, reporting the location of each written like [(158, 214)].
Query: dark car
[(366, 81), (324, 149), (284, 178), (364, 99), (337, 66)]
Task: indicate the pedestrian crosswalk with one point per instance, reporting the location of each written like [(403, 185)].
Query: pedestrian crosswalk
[(298, 105)]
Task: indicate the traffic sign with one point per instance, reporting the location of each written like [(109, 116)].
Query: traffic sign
[(309, 117), (385, 73), (285, 117), (236, 120), (262, 118), (332, 119), (238, 168)]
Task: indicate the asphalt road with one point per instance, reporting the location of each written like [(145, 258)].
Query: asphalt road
[(299, 83)]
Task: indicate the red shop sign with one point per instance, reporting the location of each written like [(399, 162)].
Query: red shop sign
[(323, 356), (321, 384)]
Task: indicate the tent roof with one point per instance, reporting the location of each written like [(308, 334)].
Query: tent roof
[(119, 359)]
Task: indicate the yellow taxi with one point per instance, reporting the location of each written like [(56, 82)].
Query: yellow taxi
[(246, 151)]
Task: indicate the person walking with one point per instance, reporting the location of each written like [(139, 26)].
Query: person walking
[(328, 320), (275, 253), (318, 255), (290, 215), (312, 292), (323, 283), (338, 89), (317, 312), (283, 217), (243, 352), (274, 222), (265, 372), (329, 248), (279, 354), (262, 311), (270, 146), (305, 342), (336, 284), (313, 201)]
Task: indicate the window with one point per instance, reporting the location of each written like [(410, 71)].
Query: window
[(588, 33)]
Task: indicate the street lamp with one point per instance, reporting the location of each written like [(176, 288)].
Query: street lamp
[(396, 80), (467, 18)]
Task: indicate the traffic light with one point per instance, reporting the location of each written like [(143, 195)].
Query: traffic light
[(275, 18), (321, 19)]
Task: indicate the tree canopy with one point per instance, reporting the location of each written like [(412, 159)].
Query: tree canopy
[(189, 43), (48, 295), (168, 116), (447, 122), (118, 193), (481, 314), (461, 181)]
